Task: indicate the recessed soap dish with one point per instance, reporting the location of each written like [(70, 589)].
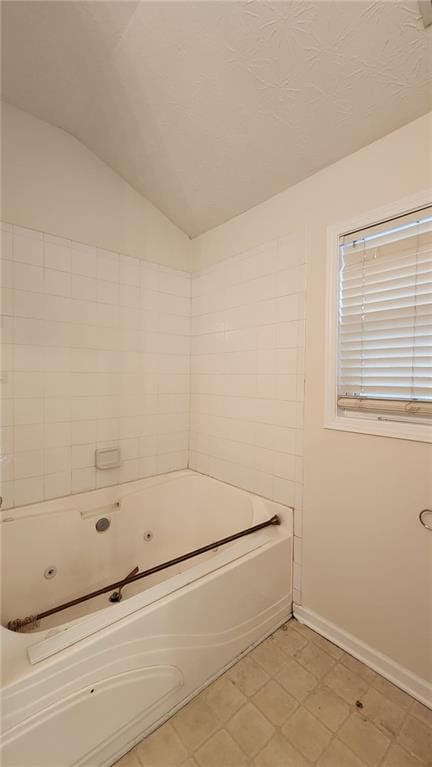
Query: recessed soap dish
[(108, 458)]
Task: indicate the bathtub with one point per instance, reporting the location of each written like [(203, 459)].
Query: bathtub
[(84, 685)]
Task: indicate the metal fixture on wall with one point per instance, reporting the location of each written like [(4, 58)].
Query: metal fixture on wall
[(426, 11), (425, 518)]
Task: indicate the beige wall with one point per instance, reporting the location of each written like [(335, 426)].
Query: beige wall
[(52, 183), (367, 563)]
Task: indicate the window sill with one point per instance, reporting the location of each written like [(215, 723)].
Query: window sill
[(395, 429)]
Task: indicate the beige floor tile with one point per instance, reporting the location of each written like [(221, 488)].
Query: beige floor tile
[(275, 703), (220, 750), (302, 629), (307, 734), (382, 712), (250, 729), (297, 680), (269, 656), (416, 737), (391, 692), (327, 646), (224, 698), (338, 755), (290, 623), (398, 757), (344, 683), (289, 641), (364, 739), (359, 668), (280, 753), (421, 712), (248, 675), (195, 723), (129, 760), (328, 707), (315, 660), (163, 748)]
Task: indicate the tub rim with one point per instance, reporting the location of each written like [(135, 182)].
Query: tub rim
[(108, 495), (53, 640), (71, 633), (94, 502)]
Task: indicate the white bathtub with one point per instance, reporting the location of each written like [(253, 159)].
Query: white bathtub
[(89, 682)]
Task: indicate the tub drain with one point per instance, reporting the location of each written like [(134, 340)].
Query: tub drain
[(50, 572), (148, 535)]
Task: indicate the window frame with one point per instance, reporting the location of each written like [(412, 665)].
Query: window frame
[(362, 423)]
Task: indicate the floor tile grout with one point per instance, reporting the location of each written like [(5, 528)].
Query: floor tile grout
[(304, 669)]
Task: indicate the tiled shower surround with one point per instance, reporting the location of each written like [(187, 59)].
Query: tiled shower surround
[(96, 353), (247, 379)]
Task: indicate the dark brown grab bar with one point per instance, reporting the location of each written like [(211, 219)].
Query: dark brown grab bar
[(18, 623)]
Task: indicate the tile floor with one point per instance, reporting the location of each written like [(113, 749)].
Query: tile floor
[(295, 700)]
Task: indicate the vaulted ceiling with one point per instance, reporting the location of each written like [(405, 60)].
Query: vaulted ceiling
[(208, 108)]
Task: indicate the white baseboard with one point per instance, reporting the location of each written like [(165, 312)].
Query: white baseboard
[(411, 683)]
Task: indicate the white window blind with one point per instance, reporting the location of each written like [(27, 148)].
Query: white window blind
[(385, 317)]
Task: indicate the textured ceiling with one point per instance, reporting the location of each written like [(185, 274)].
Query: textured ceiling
[(208, 108)]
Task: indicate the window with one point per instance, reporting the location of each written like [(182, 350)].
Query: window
[(382, 349)]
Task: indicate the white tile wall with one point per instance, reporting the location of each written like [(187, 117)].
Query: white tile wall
[(95, 351), (247, 375)]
